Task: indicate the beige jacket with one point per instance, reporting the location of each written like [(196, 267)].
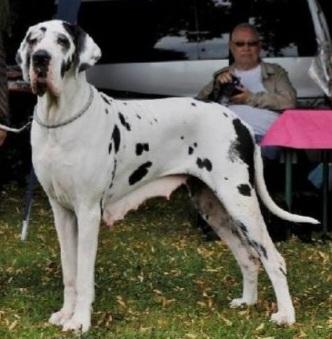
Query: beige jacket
[(279, 95)]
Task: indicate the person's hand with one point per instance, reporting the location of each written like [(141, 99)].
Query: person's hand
[(225, 77), (242, 97), (3, 135)]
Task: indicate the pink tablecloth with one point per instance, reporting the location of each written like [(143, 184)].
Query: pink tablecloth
[(300, 128)]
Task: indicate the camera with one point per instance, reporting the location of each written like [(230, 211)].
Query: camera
[(229, 89)]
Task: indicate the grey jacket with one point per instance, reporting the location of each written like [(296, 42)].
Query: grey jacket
[(279, 95)]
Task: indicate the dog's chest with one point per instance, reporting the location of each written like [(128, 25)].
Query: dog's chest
[(57, 171)]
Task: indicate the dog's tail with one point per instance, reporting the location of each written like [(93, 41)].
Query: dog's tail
[(266, 198)]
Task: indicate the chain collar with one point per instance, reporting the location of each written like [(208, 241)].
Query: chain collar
[(68, 121)]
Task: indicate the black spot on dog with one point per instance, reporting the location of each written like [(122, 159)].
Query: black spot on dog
[(263, 250), (125, 103), (116, 138), (78, 37), (226, 178), (193, 104), (110, 146), (101, 207), (140, 148), (63, 41), (138, 116), (225, 114), (260, 249), (190, 150), (195, 144), (106, 99), (282, 271), (124, 122), (43, 29), (106, 110), (244, 189), (83, 67), (204, 163), (65, 66), (139, 173), (243, 228), (244, 147), (155, 120), (182, 137), (113, 173)]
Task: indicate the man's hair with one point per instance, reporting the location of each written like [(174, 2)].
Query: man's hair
[(244, 25)]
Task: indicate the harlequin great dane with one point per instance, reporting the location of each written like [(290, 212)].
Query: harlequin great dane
[(97, 158)]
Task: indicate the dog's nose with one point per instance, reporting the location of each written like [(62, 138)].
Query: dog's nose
[(41, 58)]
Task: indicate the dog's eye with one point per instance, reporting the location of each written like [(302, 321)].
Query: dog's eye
[(63, 41)]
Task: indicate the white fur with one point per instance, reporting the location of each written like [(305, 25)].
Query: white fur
[(81, 169)]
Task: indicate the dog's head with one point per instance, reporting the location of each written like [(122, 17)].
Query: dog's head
[(50, 51)]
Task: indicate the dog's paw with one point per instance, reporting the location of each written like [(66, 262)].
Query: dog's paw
[(238, 302), (282, 318), (60, 317), (78, 322)]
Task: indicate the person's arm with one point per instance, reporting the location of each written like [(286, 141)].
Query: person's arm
[(283, 96), (3, 134), (210, 92), (206, 92)]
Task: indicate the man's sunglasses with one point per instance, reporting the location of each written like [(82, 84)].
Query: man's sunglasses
[(246, 43)]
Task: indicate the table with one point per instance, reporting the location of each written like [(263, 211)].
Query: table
[(303, 129)]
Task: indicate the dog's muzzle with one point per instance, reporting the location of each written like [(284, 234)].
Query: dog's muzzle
[(40, 62)]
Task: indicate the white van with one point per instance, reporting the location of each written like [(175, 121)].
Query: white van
[(172, 47)]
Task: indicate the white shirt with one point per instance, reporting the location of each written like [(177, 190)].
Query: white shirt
[(258, 118), (251, 79)]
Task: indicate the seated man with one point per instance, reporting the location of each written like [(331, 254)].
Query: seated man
[(265, 88)]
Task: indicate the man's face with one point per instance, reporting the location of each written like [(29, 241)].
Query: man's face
[(245, 47)]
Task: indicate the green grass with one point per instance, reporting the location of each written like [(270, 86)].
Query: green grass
[(155, 278)]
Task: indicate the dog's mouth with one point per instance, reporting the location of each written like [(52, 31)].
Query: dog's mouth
[(39, 82)]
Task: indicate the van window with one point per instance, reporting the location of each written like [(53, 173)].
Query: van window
[(142, 30), (274, 20), (166, 30)]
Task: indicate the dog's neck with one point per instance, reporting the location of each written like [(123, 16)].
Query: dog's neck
[(53, 109)]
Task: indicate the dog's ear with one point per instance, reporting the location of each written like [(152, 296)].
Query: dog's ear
[(23, 56), (87, 51)]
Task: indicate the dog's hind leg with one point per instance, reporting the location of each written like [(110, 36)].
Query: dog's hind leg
[(66, 227), (242, 204), (88, 218), (218, 218)]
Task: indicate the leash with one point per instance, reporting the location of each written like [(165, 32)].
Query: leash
[(16, 130), (70, 120), (41, 123)]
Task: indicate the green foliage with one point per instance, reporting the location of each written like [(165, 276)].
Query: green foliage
[(155, 278)]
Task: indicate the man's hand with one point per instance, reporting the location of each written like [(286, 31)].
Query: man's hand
[(242, 97), (225, 77), (3, 135)]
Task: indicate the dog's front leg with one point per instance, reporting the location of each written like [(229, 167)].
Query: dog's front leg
[(88, 229), (66, 227)]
